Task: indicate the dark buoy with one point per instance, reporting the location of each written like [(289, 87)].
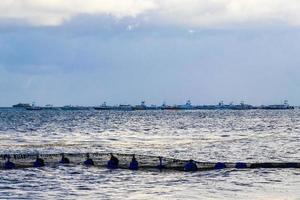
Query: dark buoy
[(190, 166), (220, 165), (240, 165), (88, 161), (39, 162), (291, 165), (134, 165), (262, 165), (113, 163), (64, 160), (160, 166), (8, 164)]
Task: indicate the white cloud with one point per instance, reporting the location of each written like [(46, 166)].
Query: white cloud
[(229, 12), (178, 12), (55, 12)]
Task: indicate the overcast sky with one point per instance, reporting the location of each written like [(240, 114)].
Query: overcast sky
[(85, 52)]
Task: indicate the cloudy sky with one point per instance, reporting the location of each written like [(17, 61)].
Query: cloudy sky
[(84, 52)]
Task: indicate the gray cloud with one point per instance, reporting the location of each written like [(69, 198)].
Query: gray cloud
[(93, 59)]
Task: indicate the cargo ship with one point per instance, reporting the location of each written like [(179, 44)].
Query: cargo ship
[(70, 107), (22, 105), (103, 107), (284, 106)]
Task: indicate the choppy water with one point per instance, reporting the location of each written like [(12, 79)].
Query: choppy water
[(202, 135)]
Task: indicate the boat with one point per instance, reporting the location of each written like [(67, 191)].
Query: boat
[(70, 107), (103, 107), (124, 107), (164, 106), (284, 106), (33, 107), (22, 105), (142, 106), (241, 106), (49, 107), (187, 106)]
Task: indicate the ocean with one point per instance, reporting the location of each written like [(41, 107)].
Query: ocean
[(206, 136)]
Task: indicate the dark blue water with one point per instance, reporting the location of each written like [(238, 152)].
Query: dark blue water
[(250, 136)]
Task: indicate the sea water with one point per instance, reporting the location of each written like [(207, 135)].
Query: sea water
[(213, 136)]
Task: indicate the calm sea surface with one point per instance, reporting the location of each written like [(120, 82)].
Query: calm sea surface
[(249, 136)]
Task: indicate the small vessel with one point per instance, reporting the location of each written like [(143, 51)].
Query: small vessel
[(49, 107), (284, 106), (164, 106), (241, 106), (142, 106), (103, 107), (22, 105), (124, 107), (70, 107), (34, 107), (153, 107), (187, 106)]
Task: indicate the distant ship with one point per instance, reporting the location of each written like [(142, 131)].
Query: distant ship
[(164, 106), (123, 107), (284, 106), (143, 106), (103, 107), (70, 107), (34, 107), (241, 106), (187, 106), (50, 107), (22, 105)]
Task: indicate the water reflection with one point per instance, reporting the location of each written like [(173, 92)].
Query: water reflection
[(199, 135)]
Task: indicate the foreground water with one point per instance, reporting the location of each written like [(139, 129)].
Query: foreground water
[(249, 136)]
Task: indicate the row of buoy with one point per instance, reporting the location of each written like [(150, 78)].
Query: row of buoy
[(113, 163), (39, 162), (190, 166)]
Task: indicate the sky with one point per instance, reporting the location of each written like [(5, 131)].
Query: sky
[(85, 52)]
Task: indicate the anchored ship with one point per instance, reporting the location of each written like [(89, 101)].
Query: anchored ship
[(103, 107), (143, 106), (284, 106), (124, 107), (187, 106), (70, 107), (22, 105), (164, 106), (34, 107)]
